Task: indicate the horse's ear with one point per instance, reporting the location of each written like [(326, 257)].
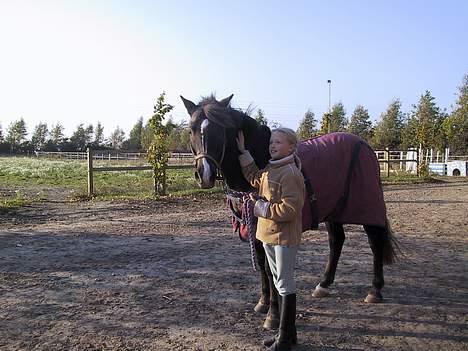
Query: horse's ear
[(189, 105), (225, 102)]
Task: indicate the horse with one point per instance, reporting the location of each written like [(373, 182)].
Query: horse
[(342, 177)]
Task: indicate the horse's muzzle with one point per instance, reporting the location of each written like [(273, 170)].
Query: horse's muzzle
[(205, 182)]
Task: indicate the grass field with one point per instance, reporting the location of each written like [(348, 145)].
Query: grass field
[(18, 174)]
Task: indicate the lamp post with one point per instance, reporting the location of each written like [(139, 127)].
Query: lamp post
[(329, 105)]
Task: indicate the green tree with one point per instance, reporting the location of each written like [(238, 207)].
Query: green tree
[(89, 131), (134, 141), (388, 131), (82, 137), (408, 133), (185, 140), (39, 137), (4, 146), (147, 136), (360, 123), (176, 130), (16, 134), (426, 123), (98, 135), (157, 153), (260, 117), (335, 120), (56, 134), (456, 125), (308, 126), (117, 138), (324, 124)]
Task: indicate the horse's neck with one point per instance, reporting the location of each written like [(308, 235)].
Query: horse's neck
[(259, 140)]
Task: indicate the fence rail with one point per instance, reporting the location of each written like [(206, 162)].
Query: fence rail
[(174, 157), (389, 161), (176, 161), (398, 161)]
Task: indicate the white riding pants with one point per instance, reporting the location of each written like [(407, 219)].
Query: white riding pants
[(282, 260)]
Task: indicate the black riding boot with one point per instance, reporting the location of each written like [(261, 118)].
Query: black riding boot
[(287, 335)]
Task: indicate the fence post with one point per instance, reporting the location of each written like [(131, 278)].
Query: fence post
[(90, 172), (417, 162), (164, 182), (155, 182), (387, 157)]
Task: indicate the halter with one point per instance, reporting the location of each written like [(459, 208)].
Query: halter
[(209, 157)]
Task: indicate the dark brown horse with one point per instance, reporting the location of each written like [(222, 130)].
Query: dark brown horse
[(342, 179)]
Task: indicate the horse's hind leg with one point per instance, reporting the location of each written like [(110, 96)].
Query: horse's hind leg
[(377, 237), (336, 238)]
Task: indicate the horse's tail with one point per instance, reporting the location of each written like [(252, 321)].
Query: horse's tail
[(391, 246)]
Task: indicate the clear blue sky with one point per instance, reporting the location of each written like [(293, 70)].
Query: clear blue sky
[(87, 61)]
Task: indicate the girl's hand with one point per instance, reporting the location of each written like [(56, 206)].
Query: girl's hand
[(240, 141), (255, 197)]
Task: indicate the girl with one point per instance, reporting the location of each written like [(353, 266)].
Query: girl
[(278, 207)]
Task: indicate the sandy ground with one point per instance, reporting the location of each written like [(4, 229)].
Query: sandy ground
[(170, 275)]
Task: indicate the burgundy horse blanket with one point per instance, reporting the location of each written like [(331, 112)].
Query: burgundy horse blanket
[(344, 176)]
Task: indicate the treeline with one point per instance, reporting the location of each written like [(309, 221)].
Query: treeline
[(53, 139), (426, 125)]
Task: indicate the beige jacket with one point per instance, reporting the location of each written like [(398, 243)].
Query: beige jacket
[(281, 184)]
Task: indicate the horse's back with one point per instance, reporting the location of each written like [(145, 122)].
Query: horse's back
[(347, 187)]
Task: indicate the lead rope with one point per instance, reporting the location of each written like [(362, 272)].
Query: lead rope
[(247, 209)]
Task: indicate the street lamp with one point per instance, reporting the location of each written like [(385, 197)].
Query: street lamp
[(329, 105)]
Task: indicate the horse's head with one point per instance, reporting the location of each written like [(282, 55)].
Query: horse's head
[(210, 124)]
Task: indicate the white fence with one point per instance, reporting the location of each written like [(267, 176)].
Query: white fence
[(398, 161), (391, 161), (175, 158)]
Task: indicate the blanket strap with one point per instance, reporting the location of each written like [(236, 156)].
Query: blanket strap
[(312, 201)]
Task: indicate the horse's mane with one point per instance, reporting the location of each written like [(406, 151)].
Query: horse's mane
[(210, 99), (226, 116)]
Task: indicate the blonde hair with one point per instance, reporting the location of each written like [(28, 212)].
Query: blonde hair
[(290, 134), (291, 137)]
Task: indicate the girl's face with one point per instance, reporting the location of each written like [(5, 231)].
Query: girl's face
[(280, 147)]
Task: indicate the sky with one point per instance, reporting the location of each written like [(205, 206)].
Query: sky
[(78, 61)]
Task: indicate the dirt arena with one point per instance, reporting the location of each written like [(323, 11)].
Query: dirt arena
[(170, 275)]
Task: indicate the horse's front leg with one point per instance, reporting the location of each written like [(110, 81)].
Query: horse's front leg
[(336, 238), (263, 304), (268, 302), (377, 237)]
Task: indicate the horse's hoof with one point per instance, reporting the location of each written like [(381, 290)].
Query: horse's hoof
[(261, 308), (371, 298), (321, 292), (271, 324)]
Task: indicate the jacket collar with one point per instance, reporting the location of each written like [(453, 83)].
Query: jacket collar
[(282, 161)]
